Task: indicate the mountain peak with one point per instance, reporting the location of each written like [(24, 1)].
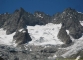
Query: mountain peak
[(69, 10), (21, 9)]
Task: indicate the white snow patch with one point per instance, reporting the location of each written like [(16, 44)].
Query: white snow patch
[(80, 12), (30, 49), (20, 30), (44, 34), (52, 58), (77, 58), (54, 19), (23, 31), (67, 32), (70, 17), (14, 44), (25, 48), (46, 46), (6, 39), (39, 15), (73, 49), (81, 22)]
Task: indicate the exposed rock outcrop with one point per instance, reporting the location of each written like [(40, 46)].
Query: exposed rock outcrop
[(63, 36), (70, 21), (12, 23), (1, 58), (22, 36)]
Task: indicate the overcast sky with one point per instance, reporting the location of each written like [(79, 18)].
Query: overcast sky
[(47, 6)]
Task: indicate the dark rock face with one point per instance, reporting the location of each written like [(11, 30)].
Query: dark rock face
[(63, 36), (70, 21), (14, 21), (49, 50), (56, 19), (22, 37), (3, 18), (1, 58), (42, 17)]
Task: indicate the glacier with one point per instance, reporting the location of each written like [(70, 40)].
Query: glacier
[(44, 34)]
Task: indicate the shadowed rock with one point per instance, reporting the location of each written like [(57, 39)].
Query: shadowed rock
[(62, 35), (1, 58), (22, 37), (70, 19)]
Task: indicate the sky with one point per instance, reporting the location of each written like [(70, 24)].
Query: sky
[(47, 6)]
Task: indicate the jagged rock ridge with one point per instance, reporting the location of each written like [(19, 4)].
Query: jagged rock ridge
[(20, 19)]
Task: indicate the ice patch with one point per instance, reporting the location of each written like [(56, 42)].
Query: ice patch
[(6, 39), (81, 22), (20, 30), (44, 34), (67, 32)]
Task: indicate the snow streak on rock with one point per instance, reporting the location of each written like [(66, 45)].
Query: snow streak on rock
[(81, 22), (44, 34)]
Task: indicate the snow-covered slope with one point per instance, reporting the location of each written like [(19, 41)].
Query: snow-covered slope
[(41, 35), (73, 49), (6, 39), (44, 34)]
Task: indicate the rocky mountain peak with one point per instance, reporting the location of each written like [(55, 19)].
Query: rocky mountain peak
[(21, 10), (69, 10)]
